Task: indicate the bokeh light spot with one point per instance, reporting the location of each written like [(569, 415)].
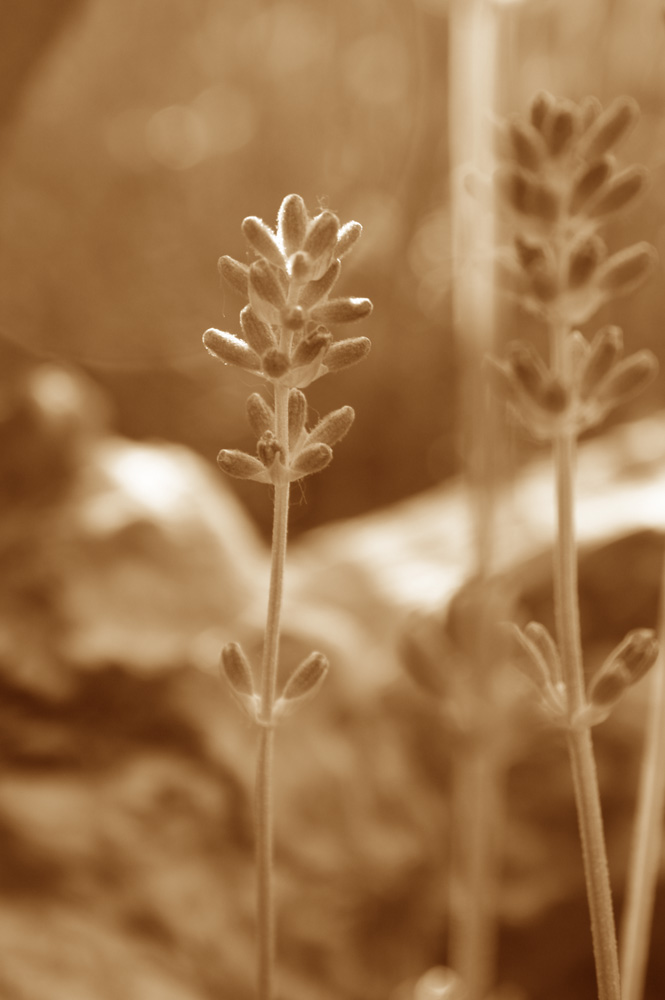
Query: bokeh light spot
[(177, 137)]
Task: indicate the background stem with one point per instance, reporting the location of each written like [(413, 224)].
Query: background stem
[(580, 746), (647, 837), (264, 767)]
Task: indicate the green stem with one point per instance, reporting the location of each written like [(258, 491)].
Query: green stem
[(473, 904), (647, 837), (264, 768), (580, 746)]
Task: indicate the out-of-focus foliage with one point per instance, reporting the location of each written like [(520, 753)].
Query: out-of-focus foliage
[(152, 127)]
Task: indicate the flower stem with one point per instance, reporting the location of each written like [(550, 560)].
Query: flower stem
[(264, 768), (473, 904), (580, 746), (647, 836)]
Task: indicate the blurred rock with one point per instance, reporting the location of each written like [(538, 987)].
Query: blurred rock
[(125, 796)]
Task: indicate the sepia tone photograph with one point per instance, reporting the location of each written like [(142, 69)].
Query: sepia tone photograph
[(332, 470)]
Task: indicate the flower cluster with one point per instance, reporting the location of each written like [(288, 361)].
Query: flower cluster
[(285, 337), (538, 659), (557, 184)]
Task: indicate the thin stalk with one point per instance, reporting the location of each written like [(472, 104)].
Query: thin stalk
[(647, 837), (477, 807), (580, 746), (264, 768), (473, 50)]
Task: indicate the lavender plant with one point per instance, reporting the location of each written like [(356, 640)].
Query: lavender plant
[(558, 184), (286, 342)]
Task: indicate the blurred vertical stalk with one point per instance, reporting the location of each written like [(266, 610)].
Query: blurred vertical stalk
[(473, 40), (647, 837)]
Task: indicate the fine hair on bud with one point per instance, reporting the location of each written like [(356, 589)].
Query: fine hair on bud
[(262, 240), (322, 235), (333, 427), (258, 334), (297, 416), (275, 363), (345, 353), (314, 291), (342, 310), (235, 274), (240, 465), (260, 414), (231, 350), (347, 238), (292, 221), (265, 289), (311, 346), (313, 458)]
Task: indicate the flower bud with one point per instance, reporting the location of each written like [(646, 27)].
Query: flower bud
[(275, 363), (311, 346), (293, 318), (526, 144), (621, 189), (530, 253), (231, 350), (343, 310), (626, 270), (258, 334), (560, 129), (241, 466), (321, 236), (609, 127), (302, 685), (301, 267), (540, 637), (333, 427), (297, 416), (269, 449), (626, 665), (584, 259), (345, 353), (527, 195), (314, 291), (347, 237), (262, 239), (590, 109), (292, 223), (234, 668), (542, 105), (311, 459), (605, 349), (528, 368), (627, 379), (235, 274), (266, 294), (260, 415), (589, 181)]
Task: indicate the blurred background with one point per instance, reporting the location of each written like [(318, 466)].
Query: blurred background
[(135, 135)]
